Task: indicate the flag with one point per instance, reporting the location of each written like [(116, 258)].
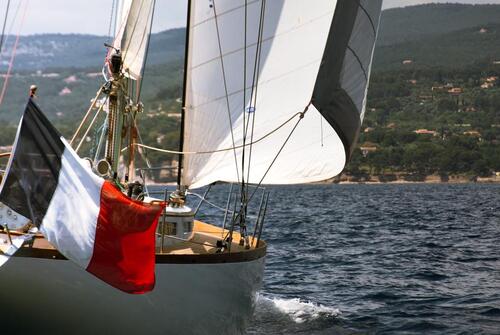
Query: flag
[(84, 216)]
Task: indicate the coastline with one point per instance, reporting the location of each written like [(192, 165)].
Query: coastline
[(375, 180), (405, 179)]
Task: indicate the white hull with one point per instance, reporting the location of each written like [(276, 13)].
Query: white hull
[(55, 297)]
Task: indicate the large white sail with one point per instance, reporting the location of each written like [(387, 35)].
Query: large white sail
[(310, 51), (133, 26)]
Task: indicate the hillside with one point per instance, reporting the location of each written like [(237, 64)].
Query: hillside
[(419, 22), (449, 88), (39, 52), (479, 44)]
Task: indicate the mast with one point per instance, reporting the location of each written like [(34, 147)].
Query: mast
[(184, 90)]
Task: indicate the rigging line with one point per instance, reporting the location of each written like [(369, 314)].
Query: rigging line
[(280, 150), (255, 81), (12, 23), (143, 69), (225, 89), (13, 55), (218, 150), (321, 127), (11, 26), (111, 19), (302, 114), (228, 11), (242, 190), (144, 154), (91, 124), (208, 202), (4, 25), (251, 114)]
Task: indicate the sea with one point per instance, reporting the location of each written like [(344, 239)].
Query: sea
[(378, 259)]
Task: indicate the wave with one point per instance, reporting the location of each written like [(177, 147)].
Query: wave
[(298, 310)]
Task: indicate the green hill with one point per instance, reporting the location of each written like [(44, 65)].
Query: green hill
[(450, 46), (480, 44), (424, 21), (45, 51)]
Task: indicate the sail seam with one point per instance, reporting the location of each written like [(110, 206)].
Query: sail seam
[(223, 13), (291, 30), (260, 83), (359, 61), (374, 30)]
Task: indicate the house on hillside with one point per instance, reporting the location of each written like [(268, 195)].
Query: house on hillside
[(426, 132), (473, 133), (65, 91), (367, 147), (489, 82), (455, 91), (71, 79)]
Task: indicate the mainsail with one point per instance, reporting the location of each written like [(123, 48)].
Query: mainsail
[(253, 66), (133, 27)]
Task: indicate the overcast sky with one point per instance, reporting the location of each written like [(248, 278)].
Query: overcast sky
[(92, 16)]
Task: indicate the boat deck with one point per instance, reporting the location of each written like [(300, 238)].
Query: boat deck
[(201, 248), (204, 240)]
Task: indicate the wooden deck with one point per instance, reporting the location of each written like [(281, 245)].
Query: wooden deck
[(201, 248)]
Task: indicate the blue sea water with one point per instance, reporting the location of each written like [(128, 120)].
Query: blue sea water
[(380, 259)]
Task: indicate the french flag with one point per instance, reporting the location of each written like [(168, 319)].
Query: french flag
[(85, 217)]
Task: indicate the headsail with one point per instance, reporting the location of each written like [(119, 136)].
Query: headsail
[(297, 55), (133, 28)]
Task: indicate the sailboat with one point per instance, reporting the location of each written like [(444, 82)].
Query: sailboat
[(274, 93)]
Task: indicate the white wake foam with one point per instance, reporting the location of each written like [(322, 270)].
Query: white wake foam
[(299, 311)]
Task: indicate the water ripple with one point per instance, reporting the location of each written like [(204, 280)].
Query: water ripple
[(381, 259)]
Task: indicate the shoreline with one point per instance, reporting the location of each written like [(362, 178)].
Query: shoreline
[(344, 180), (432, 179)]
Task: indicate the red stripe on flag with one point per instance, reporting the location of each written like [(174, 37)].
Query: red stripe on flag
[(124, 246)]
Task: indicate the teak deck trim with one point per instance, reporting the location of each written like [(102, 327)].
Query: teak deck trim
[(182, 253)]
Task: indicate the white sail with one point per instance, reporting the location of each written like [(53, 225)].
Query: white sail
[(295, 33), (133, 25)]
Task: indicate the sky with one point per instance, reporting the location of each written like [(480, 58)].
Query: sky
[(93, 16)]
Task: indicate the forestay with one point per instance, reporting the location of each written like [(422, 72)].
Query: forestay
[(133, 27), (314, 55)]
